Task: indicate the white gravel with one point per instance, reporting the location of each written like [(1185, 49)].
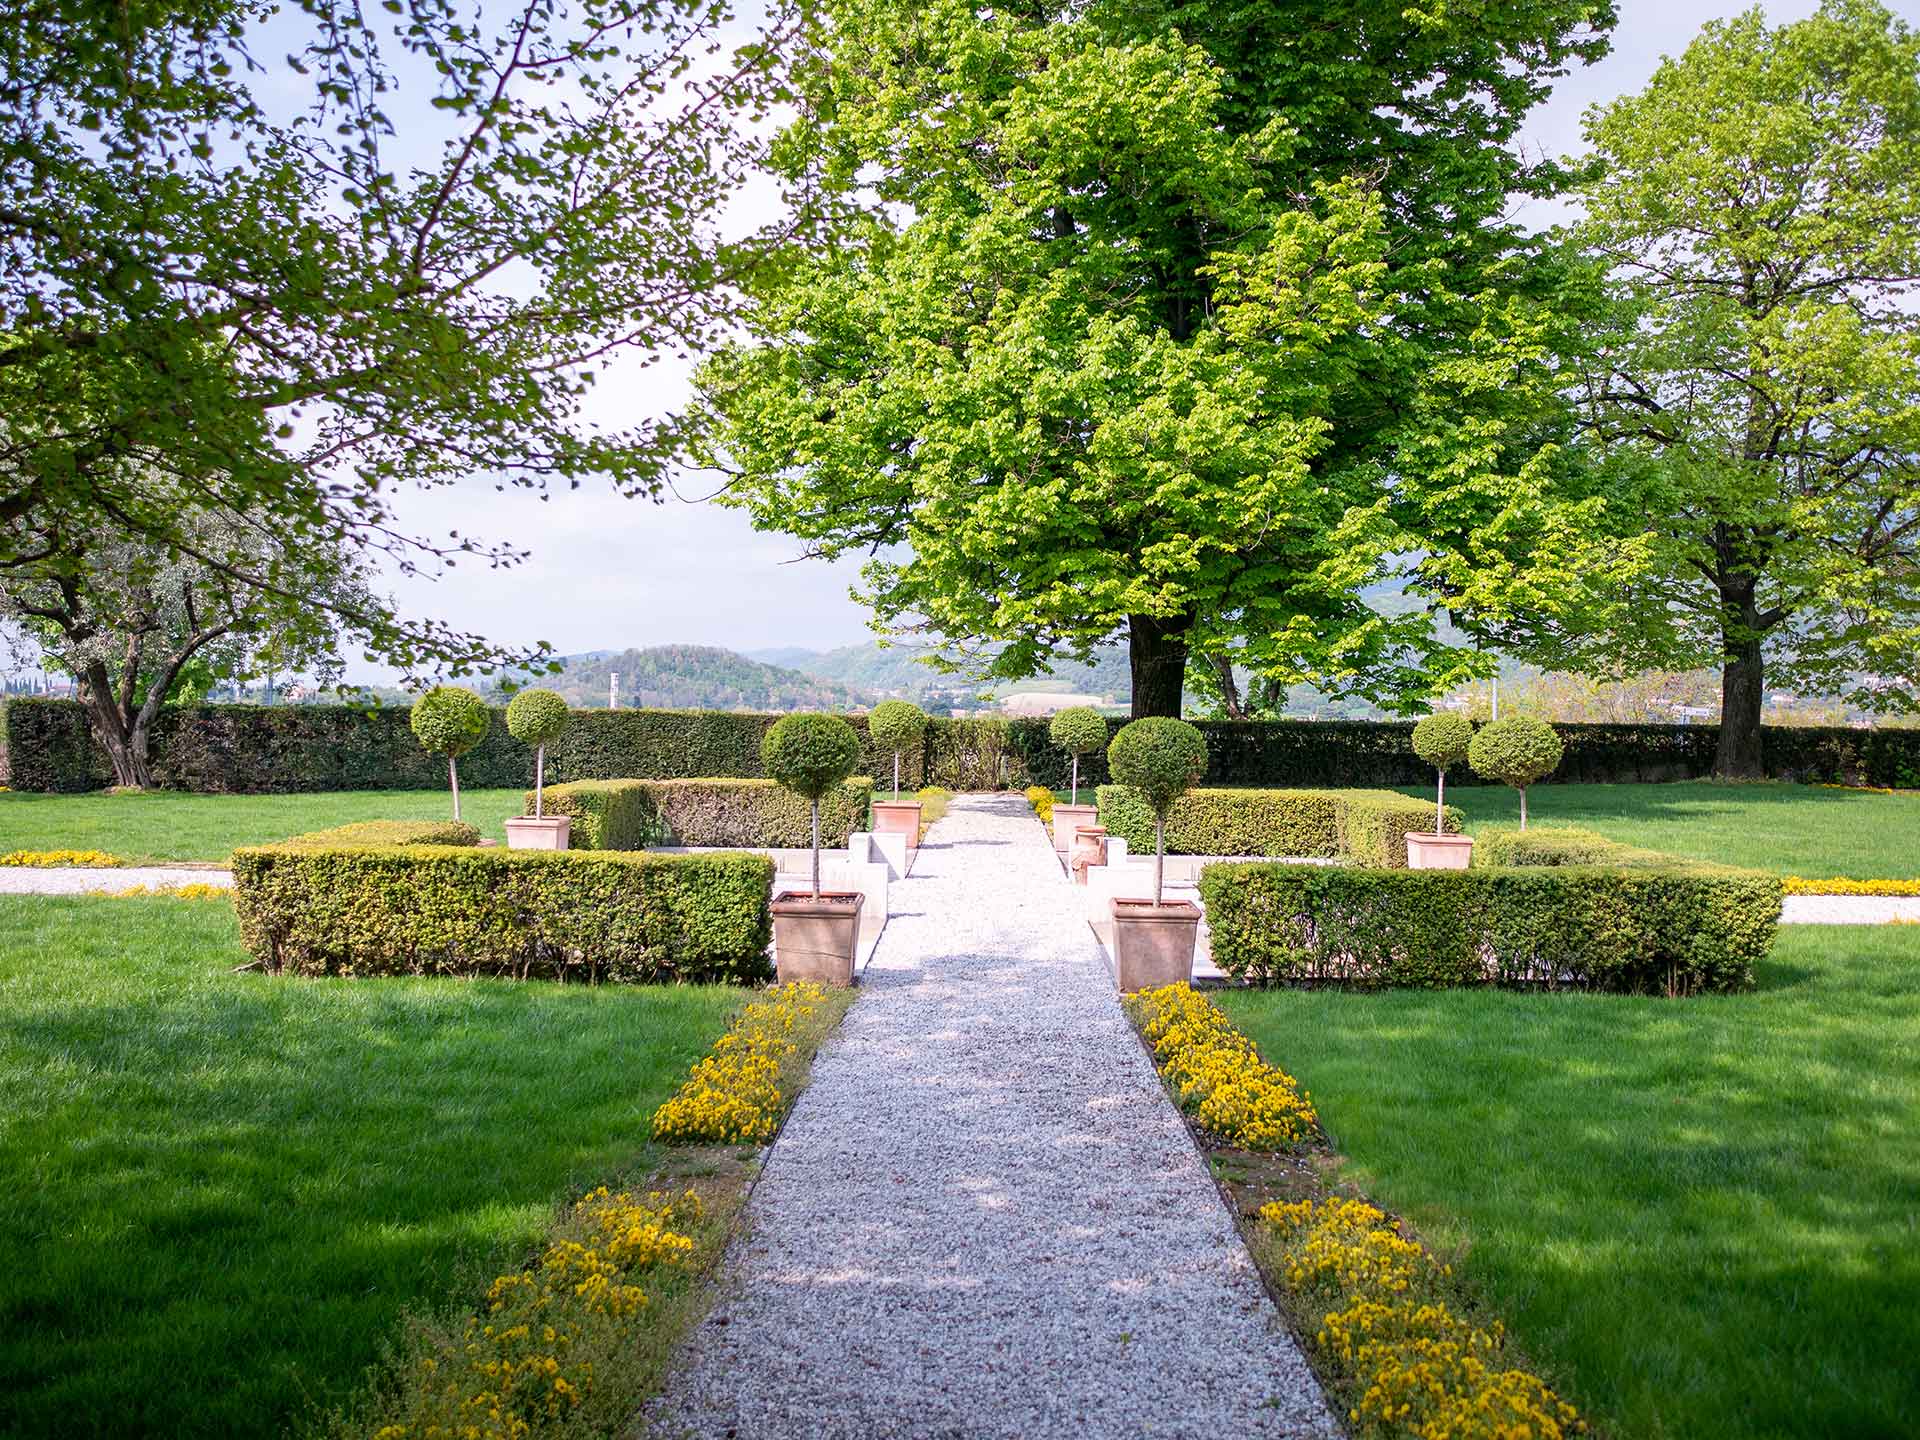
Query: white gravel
[(984, 1217), (78, 880)]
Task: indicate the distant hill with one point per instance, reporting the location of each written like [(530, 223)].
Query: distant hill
[(898, 670), (697, 677)]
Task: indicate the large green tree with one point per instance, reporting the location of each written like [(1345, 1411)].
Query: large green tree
[(1181, 323), (290, 259), (1758, 405)]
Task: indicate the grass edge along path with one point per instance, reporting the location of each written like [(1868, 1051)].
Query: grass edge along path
[(578, 1340), (1400, 1346)]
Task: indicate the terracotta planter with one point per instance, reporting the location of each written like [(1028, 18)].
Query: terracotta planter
[(545, 832), (1153, 944), (1089, 848), (815, 937), (1427, 851), (1067, 819), (898, 817)]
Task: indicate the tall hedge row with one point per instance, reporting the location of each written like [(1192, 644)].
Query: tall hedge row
[(273, 749), (632, 814)]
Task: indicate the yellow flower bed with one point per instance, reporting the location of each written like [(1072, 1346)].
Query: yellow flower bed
[(48, 859), (526, 1362), (735, 1092), (192, 890), (1041, 799), (1417, 1368), (1796, 885), (1217, 1073)]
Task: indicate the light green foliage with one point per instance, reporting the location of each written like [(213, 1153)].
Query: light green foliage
[(1756, 407), (1442, 739), (449, 720), (1079, 730), (1122, 321), (537, 717), (1161, 758), (388, 832), (1516, 751), (897, 725), (810, 753), (1367, 826)]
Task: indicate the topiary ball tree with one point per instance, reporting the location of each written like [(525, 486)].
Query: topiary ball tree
[(535, 717), (897, 724), (1442, 740), (810, 754), (1162, 758), (450, 720), (1516, 752), (1079, 730)]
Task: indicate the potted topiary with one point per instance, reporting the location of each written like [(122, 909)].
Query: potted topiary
[(450, 720), (1080, 730), (1162, 758), (814, 935), (535, 717), (1516, 752), (1441, 740), (895, 725)]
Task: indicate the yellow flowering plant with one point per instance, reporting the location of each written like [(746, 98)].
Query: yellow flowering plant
[(1041, 799), (740, 1089), (192, 890), (1798, 885), (51, 859), (1217, 1074)]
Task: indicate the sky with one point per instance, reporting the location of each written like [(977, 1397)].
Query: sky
[(607, 573)]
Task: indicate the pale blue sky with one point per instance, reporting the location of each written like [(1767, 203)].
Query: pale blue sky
[(608, 573)]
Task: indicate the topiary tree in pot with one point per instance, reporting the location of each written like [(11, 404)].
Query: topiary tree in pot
[(1517, 752), (1442, 741), (896, 725), (814, 935), (535, 717), (450, 720), (1161, 758), (1079, 730)]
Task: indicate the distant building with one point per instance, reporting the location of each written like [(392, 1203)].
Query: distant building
[(1047, 702)]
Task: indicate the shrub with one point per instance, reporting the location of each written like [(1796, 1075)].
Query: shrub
[(1497, 846), (1217, 1075), (52, 859), (1369, 826), (1516, 752), (1160, 759), (1642, 930), (389, 832), (450, 720), (934, 800), (1442, 740), (740, 1089), (516, 914), (1078, 730), (1800, 885), (633, 814), (897, 725), (810, 754), (1041, 799), (537, 718)]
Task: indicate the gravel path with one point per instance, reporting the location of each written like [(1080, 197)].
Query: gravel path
[(983, 1217), (77, 880)]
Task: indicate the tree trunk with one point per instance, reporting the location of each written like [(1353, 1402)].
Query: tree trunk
[(896, 775), (1076, 781), (1742, 682), (1159, 857), (1440, 807), (126, 745), (1523, 807), (1157, 658), (539, 781), (816, 848), (453, 779)]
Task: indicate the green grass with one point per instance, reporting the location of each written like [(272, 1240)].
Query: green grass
[(219, 1192), (1702, 1217), (1805, 830), (163, 825)]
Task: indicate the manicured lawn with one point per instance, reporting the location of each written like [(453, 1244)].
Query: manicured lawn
[(219, 1192), (1702, 1217), (1805, 830), (166, 826)]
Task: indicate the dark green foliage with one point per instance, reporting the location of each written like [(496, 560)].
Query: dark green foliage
[(897, 725), (1671, 931), (810, 753), (1078, 730), (632, 814), (1517, 751), (688, 745), (1442, 739), (513, 914), (537, 717), (1369, 826), (388, 832), (1159, 758), (449, 720)]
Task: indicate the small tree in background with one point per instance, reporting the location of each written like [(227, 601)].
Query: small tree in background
[(450, 720), (1516, 752), (1162, 758), (1442, 741), (1080, 730), (896, 724), (810, 754), (535, 717)]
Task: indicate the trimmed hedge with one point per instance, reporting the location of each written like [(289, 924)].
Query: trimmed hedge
[(515, 914), (389, 832), (1639, 931), (632, 814), (1369, 826), (1502, 847)]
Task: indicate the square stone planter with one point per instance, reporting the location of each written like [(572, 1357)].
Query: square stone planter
[(1067, 819), (1427, 851), (545, 832), (898, 817), (1153, 944), (815, 937)]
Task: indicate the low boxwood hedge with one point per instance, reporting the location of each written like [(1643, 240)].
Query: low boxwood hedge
[(518, 914), (1498, 847), (632, 814), (1369, 826), (390, 832), (1643, 930)]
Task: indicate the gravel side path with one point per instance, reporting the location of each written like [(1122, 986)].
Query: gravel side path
[(983, 1217), (77, 880)]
